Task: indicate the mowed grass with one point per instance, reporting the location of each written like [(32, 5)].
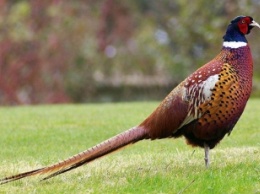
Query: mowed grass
[(35, 136)]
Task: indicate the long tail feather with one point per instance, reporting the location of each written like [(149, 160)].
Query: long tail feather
[(119, 141)]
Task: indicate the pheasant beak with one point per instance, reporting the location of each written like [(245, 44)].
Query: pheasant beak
[(254, 24)]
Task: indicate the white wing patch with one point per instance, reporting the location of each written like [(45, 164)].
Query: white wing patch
[(208, 85), (197, 94)]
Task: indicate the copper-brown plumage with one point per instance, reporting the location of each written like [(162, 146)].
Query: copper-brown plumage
[(203, 108), (128, 137)]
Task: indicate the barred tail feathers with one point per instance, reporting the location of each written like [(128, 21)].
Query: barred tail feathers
[(119, 141)]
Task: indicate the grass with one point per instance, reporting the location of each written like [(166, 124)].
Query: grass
[(36, 136)]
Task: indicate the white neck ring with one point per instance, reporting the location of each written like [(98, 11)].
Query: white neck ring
[(234, 44)]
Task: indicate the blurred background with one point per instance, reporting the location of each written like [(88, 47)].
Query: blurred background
[(58, 51)]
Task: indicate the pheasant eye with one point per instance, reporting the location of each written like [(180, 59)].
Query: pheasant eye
[(243, 21)]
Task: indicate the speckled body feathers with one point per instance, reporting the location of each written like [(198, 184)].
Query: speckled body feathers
[(209, 102)]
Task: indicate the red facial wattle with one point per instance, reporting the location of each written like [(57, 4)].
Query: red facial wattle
[(243, 25)]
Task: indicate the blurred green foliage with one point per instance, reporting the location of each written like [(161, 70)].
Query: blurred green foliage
[(58, 51)]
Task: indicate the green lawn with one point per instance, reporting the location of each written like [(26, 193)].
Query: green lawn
[(36, 136)]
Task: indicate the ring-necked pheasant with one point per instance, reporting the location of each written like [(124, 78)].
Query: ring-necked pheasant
[(203, 108)]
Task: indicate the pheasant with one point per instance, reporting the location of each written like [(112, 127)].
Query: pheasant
[(203, 108)]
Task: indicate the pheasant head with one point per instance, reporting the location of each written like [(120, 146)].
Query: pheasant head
[(238, 28)]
